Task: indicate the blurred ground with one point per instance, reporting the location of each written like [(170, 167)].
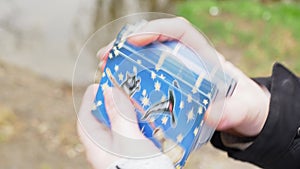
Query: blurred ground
[(37, 122), (37, 126)]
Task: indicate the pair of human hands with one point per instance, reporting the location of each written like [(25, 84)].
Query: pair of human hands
[(244, 112)]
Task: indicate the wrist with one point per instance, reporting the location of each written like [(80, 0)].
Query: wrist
[(257, 114), (264, 110), (246, 111)]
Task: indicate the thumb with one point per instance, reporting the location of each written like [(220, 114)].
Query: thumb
[(121, 114)]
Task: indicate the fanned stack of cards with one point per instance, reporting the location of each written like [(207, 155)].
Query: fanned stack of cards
[(170, 98)]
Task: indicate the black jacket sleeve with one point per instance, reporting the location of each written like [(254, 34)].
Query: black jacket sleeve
[(278, 144)]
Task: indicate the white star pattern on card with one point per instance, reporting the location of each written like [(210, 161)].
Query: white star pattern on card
[(209, 95), (153, 75), (196, 131), (103, 74), (116, 51), (200, 110), (144, 92), (201, 124), (163, 98), (116, 68), (179, 138), (160, 61), (99, 103), (104, 86), (189, 98), (194, 90), (145, 101), (205, 102), (152, 119), (110, 56), (142, 130), (181, 106), (198, 82), (178, 166), (134, 69), (190, 115), (120, 45), (94, 107), (164, 120), (162, 76), (139, 62), (157, 86), (121, 77)]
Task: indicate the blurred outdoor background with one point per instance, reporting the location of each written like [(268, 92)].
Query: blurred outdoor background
[(40, 41)]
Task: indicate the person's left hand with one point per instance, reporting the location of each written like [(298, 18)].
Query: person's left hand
[(104, 145)]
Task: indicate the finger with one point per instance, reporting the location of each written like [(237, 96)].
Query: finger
[(214, 115), (99, 140), (143, 39), (102, 53), (94, 152), (152, 30), (125, 131), (179, 29), (91, 132), (175, 28), (121, 114), (211, 118)]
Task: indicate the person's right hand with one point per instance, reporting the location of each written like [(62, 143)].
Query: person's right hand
[(123, 141), (246, 111)]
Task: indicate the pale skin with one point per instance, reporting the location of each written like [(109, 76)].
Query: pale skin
[(244, 113)]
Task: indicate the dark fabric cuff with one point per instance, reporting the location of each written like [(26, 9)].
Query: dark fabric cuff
[(277, 146)]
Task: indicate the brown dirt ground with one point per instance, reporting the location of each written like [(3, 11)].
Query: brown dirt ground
[(37, 126)]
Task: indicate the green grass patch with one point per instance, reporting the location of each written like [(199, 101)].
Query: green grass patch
[(263, 33)]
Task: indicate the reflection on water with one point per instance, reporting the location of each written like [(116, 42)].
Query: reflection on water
[(46, 36)]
